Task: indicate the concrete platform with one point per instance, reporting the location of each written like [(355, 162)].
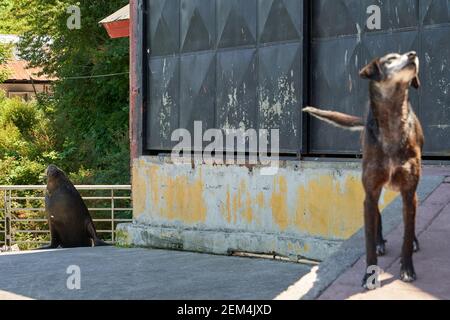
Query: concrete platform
[(339, 276), (432, 262), (113, 273)]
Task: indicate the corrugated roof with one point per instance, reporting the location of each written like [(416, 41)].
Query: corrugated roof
[(18, 71), (122, 14)]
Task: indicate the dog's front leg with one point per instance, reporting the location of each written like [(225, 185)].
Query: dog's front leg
[(407, 273), (371, 229), (381, 243)]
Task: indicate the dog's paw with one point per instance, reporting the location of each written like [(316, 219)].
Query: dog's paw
[(407, 274), (381, 249), (309, 109), (368, 282)]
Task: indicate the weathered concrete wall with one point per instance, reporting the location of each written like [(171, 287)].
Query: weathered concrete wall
[(306, 210)]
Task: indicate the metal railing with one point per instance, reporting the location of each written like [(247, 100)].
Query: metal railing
[(23, 220)]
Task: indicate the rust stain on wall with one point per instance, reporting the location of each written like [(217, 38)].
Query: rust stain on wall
[(153, 174), (139, 192), (318, 204), (226, 210), (326, 207), (238, 205), (184, 200), (279, 203), (178, 198), (260, 200)]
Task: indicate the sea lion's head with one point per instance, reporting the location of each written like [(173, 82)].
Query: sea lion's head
[(55, 177)]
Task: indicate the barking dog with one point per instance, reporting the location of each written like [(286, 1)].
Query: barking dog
[(392, 145)]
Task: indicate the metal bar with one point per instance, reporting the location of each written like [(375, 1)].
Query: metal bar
[(90, 209), (78, 187), (109, 209), (27, 209), (8, 237), (32, 231), (45, 220), (10, 221), (5, 232), (28, 198), (112, 215), (28, 220)]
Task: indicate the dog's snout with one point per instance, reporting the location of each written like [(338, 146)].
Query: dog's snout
[(412, 55)]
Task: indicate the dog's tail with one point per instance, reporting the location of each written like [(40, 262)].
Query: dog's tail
[(337, 119)]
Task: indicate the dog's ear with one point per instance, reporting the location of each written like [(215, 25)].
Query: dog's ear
[(416, 82), (372, 71)]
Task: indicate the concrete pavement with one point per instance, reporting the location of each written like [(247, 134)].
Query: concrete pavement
[(339, 276), (432, 262), (113, 273)]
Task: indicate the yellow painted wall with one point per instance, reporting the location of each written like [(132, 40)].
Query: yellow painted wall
[(321, 202)]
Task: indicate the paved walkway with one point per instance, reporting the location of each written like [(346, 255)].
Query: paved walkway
[(432, 262), (113, 273)]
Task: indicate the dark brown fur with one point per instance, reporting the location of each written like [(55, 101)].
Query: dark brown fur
[(70, 223), (392, 145)]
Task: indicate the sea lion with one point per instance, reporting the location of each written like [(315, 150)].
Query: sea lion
[(70, 223)]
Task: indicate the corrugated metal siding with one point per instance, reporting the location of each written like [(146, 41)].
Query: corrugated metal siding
[(231, 64), (340, 28), (239, 64)]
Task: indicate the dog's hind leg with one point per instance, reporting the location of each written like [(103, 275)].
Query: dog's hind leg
[(407, 273)]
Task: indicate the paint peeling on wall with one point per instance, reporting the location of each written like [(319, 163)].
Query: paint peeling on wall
[(311, 202)]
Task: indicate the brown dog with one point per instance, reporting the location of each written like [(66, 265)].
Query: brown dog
[(392, 146)]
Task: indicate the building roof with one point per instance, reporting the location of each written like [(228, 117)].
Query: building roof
[(122, 14), (18, 72), (17, 68), (118, 24)]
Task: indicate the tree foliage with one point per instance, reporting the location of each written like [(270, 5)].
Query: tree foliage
[(5, 52), (26, 142), (9, 25), (87, 116)]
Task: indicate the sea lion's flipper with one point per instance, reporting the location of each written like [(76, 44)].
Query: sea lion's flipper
[(93, 234), (53, 245), (100, 243), (50, 246), (54, 242)]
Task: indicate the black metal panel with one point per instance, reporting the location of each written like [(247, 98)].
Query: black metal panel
[(197, 90), (198, 28), (340, 47), (332, 18), (231, 64), (280, 20), (435, 12), (280, 93), (403, 14), (164, 27), (236, 90), (336, 86), (164, 100), (435, 92), (235, 26), (239, 64)]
